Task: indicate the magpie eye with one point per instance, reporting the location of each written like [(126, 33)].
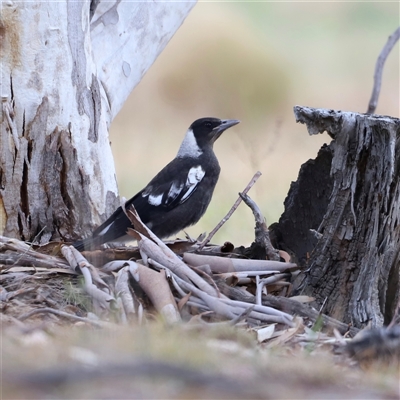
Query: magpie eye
[(208, 124)]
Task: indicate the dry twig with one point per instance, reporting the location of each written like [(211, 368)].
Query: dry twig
[(261, 230), (287, 305), (380, 63), (231, 211)]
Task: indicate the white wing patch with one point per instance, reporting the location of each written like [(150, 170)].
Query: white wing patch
[(174, 192), (155, 200), (195, 175)]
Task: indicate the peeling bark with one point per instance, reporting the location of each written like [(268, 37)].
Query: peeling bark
[(48, 192), (354, 268)]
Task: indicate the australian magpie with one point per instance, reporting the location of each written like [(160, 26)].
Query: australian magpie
[(179, 194)]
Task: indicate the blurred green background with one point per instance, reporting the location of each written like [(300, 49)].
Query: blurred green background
[(254, 62)]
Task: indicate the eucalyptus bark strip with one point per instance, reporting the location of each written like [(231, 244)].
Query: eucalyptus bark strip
[(224, 264), (123, 291), (156, 286)]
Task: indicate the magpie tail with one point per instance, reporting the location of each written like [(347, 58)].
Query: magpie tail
[(80, 245), (87, 244)]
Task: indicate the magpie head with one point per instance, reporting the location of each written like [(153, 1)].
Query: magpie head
[(208, 130), (202, 134)]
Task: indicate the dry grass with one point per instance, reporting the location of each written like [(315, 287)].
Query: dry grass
[(179, 362)]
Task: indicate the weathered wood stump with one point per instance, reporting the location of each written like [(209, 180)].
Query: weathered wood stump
[(354, 265)]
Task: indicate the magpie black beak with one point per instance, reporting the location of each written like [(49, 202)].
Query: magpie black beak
[(225, 124)]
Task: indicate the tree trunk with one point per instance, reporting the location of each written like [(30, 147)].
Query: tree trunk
[(67, 68), (354, 266)]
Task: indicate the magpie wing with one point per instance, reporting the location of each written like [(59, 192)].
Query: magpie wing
[(169, 193), (169, 188)]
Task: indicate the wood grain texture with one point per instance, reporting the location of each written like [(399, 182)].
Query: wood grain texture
[(354, 267)]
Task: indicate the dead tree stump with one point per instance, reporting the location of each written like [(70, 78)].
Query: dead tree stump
[(354, 267), (313, 187)]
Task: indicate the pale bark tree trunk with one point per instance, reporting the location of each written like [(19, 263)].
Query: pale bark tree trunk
[(67, 69), (351, 195)]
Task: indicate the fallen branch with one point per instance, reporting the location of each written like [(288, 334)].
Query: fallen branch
[(289, 306), (231, 309), (23, 254), (224, 264)]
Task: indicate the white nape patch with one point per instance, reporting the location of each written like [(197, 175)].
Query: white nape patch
[(195, 175), (155, 200), (189, 146)]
